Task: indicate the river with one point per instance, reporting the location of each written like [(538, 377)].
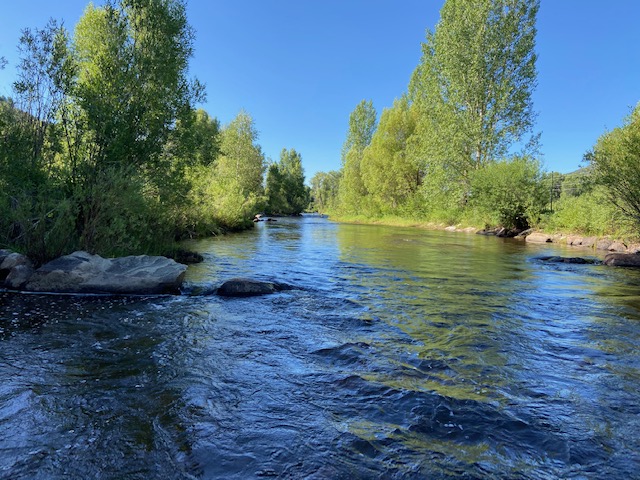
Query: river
[(401, 353)]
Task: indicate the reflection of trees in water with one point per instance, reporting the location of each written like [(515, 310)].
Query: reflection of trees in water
[(451, 294), (457, 298)]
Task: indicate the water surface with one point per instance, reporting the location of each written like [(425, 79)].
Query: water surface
[(402, 353)]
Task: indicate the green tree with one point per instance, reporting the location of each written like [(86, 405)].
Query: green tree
[(286, 191), (474, 83), (35, 215), (362, 125), (616, 165), (237, 182), (509, 193), (131, 95), (390, 172), (324, 190), (133, 85)]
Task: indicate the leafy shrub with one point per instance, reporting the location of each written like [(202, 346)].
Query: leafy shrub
[(509, 192)]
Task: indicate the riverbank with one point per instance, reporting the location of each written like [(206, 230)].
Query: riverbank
[(593, 242)]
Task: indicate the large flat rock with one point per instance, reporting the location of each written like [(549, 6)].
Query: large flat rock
[(81, 272)]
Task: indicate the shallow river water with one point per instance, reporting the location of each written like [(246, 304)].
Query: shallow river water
[(401, 353)]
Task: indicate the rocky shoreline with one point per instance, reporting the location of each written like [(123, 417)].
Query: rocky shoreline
[(618, 253)]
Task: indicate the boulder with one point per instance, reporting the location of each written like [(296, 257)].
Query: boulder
[(617, 247), (633, 248), (81, 272), (589, 241), (539, 237), (10, 261), (247, 287), (603, 244), (4, 254), (574, 240), (19, 276), (622, 260), (524, 233)]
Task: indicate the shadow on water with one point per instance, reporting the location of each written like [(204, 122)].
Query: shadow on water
[(403, 354)]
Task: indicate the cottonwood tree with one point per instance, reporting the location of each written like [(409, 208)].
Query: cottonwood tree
[(390, 171), (236, 186), (132, 83), (324, 190), (616, 165), (362, 125), (285, 190), (474, 83)]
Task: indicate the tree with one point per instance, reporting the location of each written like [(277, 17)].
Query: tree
[(324, 190), (242, 160), (474, 83), (616, 163), (132, 85), (362, 124), (236, 183), (509, 192), (286, 191), (390, 172)]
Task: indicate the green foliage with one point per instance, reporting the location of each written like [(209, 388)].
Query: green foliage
[(390, 172), (616, 163), (325, 190), (286, 191), (362, 125), (242, 160), (590, 213), (102, 149), (473, 85), (434, 154), (509, 193), (132, 84)]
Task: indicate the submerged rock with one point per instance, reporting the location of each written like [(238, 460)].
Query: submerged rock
[(247, 287), (81, 272), (622, 260), (572, 260)]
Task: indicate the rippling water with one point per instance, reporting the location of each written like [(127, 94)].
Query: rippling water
[(402, 354)]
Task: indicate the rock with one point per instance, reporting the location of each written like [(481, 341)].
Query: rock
[(524, 233), (538, 237), (603, 244), (247, 287), (487, 232), (622, 260), (571, 260), (186, 256), (11, 261), (633, 248), (589, 241), (81, 272), (617, 247), (574, 240), (4, 254), (450, 228), (19, 276)]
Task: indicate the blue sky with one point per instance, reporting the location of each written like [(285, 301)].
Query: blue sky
[(299, 67)]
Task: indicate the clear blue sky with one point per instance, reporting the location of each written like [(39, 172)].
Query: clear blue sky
[(299, 67)]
